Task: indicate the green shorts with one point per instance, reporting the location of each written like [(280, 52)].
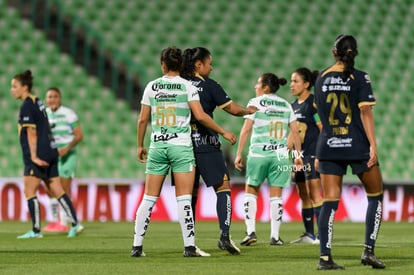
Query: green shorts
[(277, 172), (67, 165), (178, 158)]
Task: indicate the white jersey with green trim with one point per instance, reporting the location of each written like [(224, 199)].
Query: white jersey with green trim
[(62, 122), (270, 126), (168, 97)]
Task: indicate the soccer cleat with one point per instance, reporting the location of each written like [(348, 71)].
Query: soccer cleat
[(55, 227), (51, 227), (74, 230), (225, 243), (221, 245), (202, 253), (369, 258), (31, 235), (137, 251), (279, 241), (249, 239), (328, 264), (307, 238), (191, 251)]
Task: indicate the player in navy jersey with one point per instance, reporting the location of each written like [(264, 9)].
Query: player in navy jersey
[(344, 100), (40, 155), (307, 180), (211, 165)]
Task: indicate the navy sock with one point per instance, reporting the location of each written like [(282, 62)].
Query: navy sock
[(193, 205), (34, 210), (224, 211), (317, 211), (307, 218), (68, 207), (373, 221), (326, 220)]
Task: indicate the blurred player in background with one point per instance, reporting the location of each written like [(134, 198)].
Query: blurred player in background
[(268, 157), (68, 134), (344, 100), (210, 162), (168, 103), (40, 155), (307, 180)]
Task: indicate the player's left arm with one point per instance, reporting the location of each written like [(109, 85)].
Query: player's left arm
[(294, 131), (367, 118), (32, 141)]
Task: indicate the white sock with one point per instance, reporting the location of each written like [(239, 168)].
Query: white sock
[(63, 217), (276, 212), (142, 218), (54, 207), (250, 209), (185, 217)]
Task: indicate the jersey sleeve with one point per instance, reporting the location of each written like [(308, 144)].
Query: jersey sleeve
[(192, 93), (366, 95), (220, 96), (314, 111), (28, 115), (145, 97), (252, 102), (292, 113), (72, 118)]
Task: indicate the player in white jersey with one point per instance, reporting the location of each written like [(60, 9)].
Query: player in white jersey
[(268, 157), (67, 133), (168, 103)]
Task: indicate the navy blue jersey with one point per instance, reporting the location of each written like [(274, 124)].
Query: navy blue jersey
[(307, 118), (33, 114), (338, 103), (211, 95)]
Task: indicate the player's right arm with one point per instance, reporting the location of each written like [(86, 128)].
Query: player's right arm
[(244, 135), (143, 119), (207, 121)]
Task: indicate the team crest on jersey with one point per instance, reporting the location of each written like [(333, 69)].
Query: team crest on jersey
[(367, 78)]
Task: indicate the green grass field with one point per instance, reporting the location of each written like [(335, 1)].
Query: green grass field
[(103, 248)]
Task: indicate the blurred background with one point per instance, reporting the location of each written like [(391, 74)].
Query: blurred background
[(101, 53)]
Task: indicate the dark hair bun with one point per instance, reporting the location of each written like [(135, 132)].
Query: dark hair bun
[(282, 81)]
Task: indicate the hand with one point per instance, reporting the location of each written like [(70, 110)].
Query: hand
[(238, 163), (142, 154), (252, 109), (298, 162), (373, 157), (39, 162), (63, 151), (230, 137)]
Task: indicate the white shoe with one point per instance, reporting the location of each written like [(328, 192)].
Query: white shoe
[(202, 253), (307, 238)]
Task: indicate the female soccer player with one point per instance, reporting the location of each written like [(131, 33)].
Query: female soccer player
[(68, 134), (168, 103), (40, 155), (307, 180), (268, 156), (344, 98), (211, 165)]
